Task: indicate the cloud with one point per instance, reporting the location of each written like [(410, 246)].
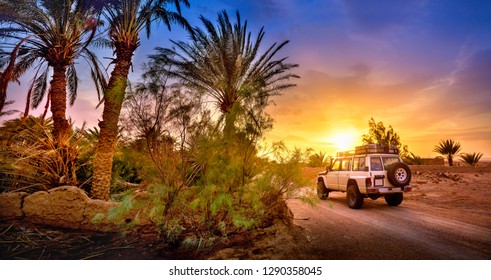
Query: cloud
[(465, 92), (471, 87), (360, 69), (324, 103)]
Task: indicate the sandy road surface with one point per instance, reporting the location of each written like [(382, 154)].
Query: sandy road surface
[(413, 230)]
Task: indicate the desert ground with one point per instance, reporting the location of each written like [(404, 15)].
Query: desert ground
[(446, 216)]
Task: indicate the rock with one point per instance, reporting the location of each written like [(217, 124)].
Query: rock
[(11, 205), (62, 206), (67, 207), (95, 215), (36, 206)]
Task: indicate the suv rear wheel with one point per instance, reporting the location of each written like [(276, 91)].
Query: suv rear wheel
[(399, 174), (394, 199), (322, 191), (354, 197)]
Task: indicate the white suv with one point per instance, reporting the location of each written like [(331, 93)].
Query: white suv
[(372, 171)]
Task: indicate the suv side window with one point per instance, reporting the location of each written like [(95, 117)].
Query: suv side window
[(389, 160), (362, 164), (345, 165), (359, 164), (376, 164), (356, 163), (336, 165)]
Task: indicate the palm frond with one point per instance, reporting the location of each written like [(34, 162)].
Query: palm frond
[(72, 83), (224, 61), (38, 88), (471, 159)]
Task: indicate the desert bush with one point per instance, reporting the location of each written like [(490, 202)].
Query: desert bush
[(412, 159), (471, 159), (235, 192)]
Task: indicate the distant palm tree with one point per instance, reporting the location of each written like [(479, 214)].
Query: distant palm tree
[(48, 35), (448, 148), (319, 159), (471, 159), (226, 63), (126, 20)]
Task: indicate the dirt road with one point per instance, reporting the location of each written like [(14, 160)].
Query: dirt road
[(414, 230)]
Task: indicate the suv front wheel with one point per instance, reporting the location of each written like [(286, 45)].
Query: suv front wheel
[(354, 197), (322, 191)]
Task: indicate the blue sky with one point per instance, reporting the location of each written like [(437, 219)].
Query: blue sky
[(422, 66)]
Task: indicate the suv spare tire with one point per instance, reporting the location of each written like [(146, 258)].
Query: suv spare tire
[(399, 174)]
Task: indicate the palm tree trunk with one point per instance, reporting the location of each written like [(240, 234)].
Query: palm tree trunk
[(58, 102), (229, 130), (113, 101)]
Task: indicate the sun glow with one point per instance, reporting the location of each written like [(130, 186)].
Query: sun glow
[(343, 141)]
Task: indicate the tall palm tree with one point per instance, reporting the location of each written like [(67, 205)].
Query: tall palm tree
[(448, 148), (126, 20), (225, 62), (48, 35)]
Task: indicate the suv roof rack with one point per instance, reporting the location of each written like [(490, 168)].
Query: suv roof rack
[(376, 149), (370, 149), (345, 154)]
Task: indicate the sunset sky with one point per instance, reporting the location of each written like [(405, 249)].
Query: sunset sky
[(422, 66)]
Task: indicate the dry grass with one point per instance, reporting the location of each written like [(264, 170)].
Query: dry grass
[(31, 242)]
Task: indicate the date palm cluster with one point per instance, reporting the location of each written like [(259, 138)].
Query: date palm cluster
[(50, 37)]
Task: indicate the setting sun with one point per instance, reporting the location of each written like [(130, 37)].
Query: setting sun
[(344, 140)]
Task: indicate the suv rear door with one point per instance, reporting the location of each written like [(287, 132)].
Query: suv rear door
[(344, 173)]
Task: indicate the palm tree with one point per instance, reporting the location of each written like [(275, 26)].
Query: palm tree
[(471, 159), (126, 19), (448, 148), (48, 36), (225, 63)]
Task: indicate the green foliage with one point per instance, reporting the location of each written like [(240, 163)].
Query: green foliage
[(284, 176), (225, 62), (448, 148), (127, 170), (471, 159), (234, 193)]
